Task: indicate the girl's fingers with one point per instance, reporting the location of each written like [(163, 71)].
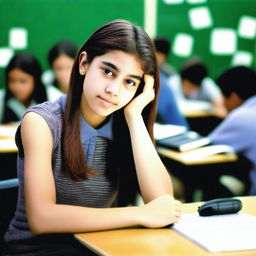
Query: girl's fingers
[(149, 82)]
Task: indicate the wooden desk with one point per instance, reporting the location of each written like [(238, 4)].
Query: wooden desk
[(7, 140), (8, 146), (155, 242), (185, 157), (200, 172), (198, 113), (8, 159)]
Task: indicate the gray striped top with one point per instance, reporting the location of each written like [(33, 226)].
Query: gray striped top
[(97, 191)]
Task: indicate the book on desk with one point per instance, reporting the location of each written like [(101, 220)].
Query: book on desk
[(187, 141)]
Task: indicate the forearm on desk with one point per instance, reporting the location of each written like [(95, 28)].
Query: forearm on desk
[(75, 219)]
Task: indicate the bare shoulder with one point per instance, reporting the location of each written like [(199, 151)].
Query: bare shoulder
[(33, 120), (34, 129)]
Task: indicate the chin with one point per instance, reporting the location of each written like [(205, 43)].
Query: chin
[(104, 113)]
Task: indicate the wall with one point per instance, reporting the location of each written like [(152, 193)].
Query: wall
[(203, 24), (44, 22), (48, 21)]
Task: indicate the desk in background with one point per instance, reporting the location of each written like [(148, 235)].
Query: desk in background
[(184, 158), (152, 242), (8, 151), (7, 138), (203, 173), (203, 124), (8, 159), (201, 168), (200, 115)]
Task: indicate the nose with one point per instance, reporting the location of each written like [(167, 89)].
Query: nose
[(113, 88)]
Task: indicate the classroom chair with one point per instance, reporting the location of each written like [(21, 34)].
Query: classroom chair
[(8, 201)]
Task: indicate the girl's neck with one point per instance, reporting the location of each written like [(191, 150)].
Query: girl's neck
[(26, 103)]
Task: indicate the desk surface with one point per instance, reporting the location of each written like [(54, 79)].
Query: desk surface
[(7, 141), (198, 113), (185, 158), (152, 242)]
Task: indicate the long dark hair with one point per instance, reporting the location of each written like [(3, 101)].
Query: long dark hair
[(115, 35), (27, 63)]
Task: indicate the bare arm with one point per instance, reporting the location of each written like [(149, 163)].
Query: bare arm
[(219, 107), (154, 180), (45, 216)]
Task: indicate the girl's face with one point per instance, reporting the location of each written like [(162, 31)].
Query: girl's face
[(62, 69), (111, 81), (21, 85)]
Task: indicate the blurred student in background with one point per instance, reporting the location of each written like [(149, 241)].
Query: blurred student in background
[(195, 84), (60, 58), (168, 111), (162, 49), (23, 87), (238, 129)]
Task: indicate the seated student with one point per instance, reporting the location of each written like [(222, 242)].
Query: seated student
[(94, 143), (23, 87), (193, 83), (60, 58), (162, 49), (238, 129), (168, 111)]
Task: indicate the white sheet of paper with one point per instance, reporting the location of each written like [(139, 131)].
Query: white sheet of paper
[(166, 130), (7, 144), (7, 131), (219, 233)]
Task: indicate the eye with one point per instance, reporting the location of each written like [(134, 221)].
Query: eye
[(130, 82), (107, 72)]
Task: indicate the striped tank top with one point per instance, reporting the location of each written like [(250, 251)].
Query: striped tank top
[(97, 191)]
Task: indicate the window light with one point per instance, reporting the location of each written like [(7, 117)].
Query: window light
[(247, 27), (223, 41), (5, 56), (183, 44), (196, 1), (200, 17), (242, 58), (18, 38), (173, 1)]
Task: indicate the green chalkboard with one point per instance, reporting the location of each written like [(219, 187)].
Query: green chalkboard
[(48, 21), (174, 17)]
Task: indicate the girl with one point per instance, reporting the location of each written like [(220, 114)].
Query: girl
[(61, 58), (93, 145), (24, 87)]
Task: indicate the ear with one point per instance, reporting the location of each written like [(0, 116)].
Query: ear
[(234, 97), (233, 101), (83, 63)]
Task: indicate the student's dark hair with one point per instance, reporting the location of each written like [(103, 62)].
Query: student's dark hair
[(115, 35), (27, 63), (239, 79), (162, 44), (194, 70), (65, 47)]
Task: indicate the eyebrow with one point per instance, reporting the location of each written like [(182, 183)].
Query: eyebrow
[(117, 69)]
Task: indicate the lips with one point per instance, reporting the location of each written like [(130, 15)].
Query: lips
[(108, 101)]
